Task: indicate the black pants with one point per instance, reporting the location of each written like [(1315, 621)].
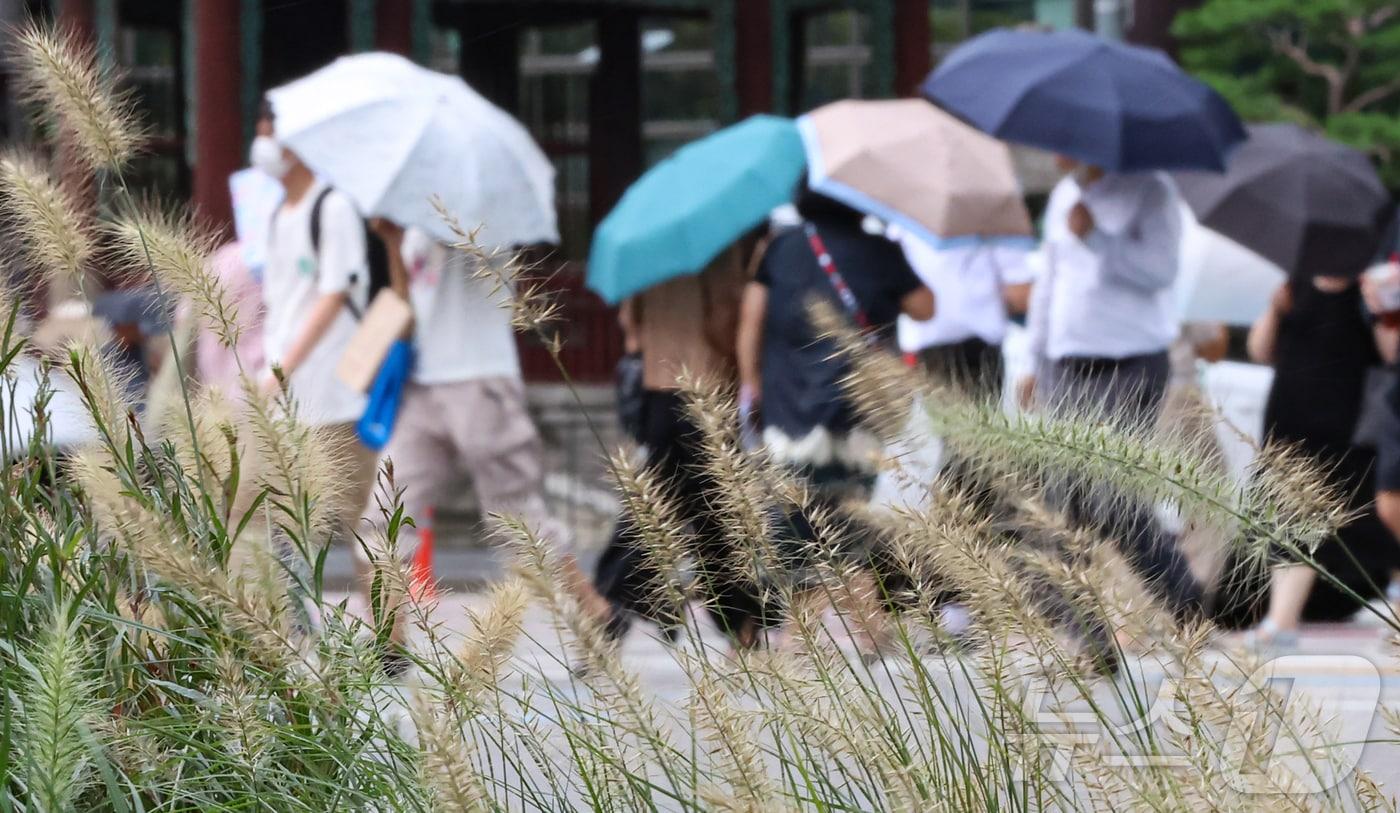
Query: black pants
[(976, 366), (624, 575), (971, 363)]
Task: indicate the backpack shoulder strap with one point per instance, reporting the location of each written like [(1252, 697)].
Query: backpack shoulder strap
[(316, 207)]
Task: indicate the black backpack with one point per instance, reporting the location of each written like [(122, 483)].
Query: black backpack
[(377, 254)]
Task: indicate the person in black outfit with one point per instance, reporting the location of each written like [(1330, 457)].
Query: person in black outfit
[(683, 326), (810, 427), (1316, 336)]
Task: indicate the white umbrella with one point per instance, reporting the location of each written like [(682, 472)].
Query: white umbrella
[(393, 135), (1221, 280)]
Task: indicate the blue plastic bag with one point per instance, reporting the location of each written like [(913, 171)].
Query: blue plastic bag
[(377, 424)]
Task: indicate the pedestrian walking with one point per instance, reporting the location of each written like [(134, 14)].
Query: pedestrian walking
[(810, 426), (1316, 337), (1380, 287), (687, 326), (316, 278), (464, 409), (1101, 322), (978, 287)]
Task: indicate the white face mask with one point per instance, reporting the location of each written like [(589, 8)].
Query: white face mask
[(266, 155)]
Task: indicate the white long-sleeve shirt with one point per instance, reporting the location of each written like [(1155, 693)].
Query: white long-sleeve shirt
[(966, 282), (1108, 295)]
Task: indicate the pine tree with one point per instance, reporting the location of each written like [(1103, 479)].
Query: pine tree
[(1334, 64)]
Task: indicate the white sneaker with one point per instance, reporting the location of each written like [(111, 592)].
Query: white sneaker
[(1268, 639)]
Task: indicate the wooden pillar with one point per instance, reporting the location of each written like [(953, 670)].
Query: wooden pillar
[(753, 23), (218, 125), (615, 112), (795, 26), (912, 40), (393, 26)]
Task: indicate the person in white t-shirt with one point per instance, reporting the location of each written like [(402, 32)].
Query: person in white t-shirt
[(310, 296), (464, 410), (980, 285)]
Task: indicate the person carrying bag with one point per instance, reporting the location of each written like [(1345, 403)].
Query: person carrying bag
[(379, 358)]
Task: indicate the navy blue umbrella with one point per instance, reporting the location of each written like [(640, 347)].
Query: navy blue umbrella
[(1116, 106)]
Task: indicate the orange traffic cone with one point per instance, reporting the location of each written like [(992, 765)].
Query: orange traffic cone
[(420, 570)]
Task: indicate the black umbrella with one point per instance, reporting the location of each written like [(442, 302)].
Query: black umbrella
[(1308, 204)]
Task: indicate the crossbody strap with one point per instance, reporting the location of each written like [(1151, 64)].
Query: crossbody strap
[(838, 283)]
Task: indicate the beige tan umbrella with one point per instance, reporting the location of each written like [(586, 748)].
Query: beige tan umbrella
[(914, 165)]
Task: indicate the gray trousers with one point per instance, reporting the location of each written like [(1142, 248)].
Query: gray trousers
[(1127, 392)]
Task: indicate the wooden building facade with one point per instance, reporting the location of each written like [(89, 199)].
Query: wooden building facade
[(205, 63), (605, 86)]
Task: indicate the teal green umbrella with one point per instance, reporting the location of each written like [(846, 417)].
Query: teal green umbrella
[(687, 209)]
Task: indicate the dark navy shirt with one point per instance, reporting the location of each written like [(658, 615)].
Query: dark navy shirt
[(801, 381)]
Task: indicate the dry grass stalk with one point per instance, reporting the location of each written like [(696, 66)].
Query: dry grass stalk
[(657, 528), (174, 251), (64, 80), (53, 233), (446, 761), (534, 306)]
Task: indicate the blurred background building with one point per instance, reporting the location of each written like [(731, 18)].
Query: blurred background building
[(607, 87)]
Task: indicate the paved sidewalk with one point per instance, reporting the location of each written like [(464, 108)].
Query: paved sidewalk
[(1347, 670)]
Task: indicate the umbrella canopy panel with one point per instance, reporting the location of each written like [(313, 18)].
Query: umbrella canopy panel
[(913, 164), (1304, 202), (395, 136), (1120, 107), (687, 209)]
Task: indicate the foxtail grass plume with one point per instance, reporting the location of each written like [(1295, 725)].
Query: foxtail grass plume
[(54, 235), (58, 714), (618, 688), (744, 482), (656, 528), (1289, 501), (733, 739), (446, 760), (298, 463), (534, 308), (62, 76), (207, 438), (491, 641), (106, 392), (175, 252)]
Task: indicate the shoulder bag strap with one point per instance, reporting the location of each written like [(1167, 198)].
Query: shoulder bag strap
[(833, 274), (838, 283)]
